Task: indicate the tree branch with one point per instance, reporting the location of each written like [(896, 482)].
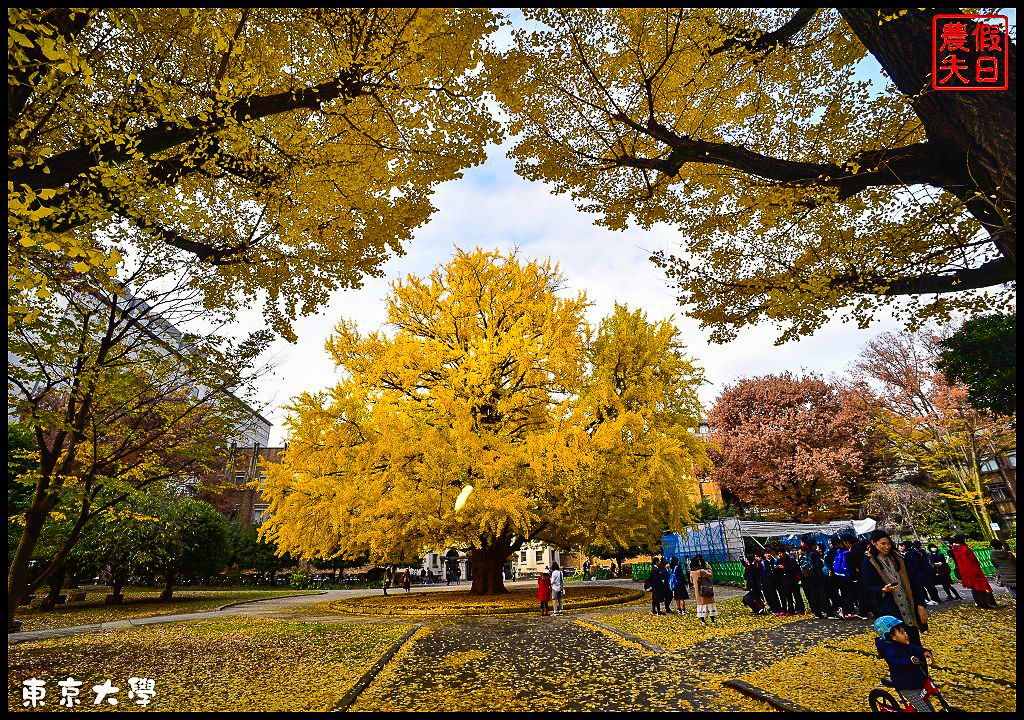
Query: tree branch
[(757, 42)]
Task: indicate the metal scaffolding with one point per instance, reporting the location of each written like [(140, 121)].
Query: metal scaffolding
[(721, 541)]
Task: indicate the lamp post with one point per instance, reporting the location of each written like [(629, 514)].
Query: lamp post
[(703, 432)]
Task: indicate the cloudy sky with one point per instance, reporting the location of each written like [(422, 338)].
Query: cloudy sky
[(493, 208)]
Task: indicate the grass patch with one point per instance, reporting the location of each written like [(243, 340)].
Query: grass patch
[(963, 639), (229, 664), (463, 602), (138, 604), (675, 632)]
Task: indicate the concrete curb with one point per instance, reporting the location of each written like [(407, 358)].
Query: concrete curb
[(401, 612), (758, 694), (364, 682), (275, 597), (627, 636)]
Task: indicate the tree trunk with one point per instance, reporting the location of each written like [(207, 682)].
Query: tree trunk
[(115, 597), (56, 584), (488, 563), (976, 129), (169, 587), (17, 576)]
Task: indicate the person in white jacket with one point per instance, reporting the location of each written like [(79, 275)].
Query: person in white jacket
[(557, 588)]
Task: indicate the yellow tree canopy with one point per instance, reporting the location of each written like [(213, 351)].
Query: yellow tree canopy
[(292, 149), (489, 378), (800, 190)]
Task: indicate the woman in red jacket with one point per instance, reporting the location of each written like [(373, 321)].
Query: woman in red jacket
[(968, 569), (544, 592)]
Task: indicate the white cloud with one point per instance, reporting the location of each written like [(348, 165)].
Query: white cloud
[(493, 208)]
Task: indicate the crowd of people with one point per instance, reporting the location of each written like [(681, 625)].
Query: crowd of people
[(845, 578), (851, 578)]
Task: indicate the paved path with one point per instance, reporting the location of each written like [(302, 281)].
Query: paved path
[(283, 608), (532, 663)]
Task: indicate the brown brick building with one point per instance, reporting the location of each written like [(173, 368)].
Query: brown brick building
[(233, 487)]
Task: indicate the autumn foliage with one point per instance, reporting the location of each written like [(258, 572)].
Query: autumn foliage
[(927, 422), (800, 188), (291, 150), (790, 446), (489, 378)]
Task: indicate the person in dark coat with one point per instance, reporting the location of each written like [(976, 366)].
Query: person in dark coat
[(769, 587), (813, 579), (752, 579), (678, 582), (927, 578), (855, 559), (943, 573), (908, 663), (789, 584), (658, 587), (893, 589)]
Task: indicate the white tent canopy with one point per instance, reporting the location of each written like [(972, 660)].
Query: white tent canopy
[(722, 540), (758, 529)]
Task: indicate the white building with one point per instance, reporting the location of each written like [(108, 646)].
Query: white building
[(529, 561)]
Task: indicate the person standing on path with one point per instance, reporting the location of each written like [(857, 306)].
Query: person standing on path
[(657, 584), (855, 561), (705, 590), (812, 579), (679, 585), (387, 579), (841, 577), (768, 584), (919, 567), (557, 588), (943, 573), (971, 576), (406, 581), (1006, 565), (666, 589), (895, 592), (544, 592)]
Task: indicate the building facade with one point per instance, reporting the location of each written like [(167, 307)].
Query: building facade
[(999, 476)]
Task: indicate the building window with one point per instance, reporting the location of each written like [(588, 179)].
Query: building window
[(999, 494), (258, 512), (1011, 459), (239, 478), (540, 556), (523, 558), (989, 466)]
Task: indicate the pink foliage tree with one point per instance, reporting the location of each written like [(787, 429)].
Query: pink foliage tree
[(793, 447)]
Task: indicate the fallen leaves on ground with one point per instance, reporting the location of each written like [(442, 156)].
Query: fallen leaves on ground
[(966, 640), (462, 601), (231, 664), (675, 632), (137, 605)]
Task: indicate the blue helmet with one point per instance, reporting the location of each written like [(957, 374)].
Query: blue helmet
[(885, 624)]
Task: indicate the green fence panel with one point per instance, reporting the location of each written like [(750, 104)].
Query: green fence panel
[(641, 571), (730, 573), (984, 556)]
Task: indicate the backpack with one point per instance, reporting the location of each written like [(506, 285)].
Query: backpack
[(673, 579), (806, 566), (704, 588)]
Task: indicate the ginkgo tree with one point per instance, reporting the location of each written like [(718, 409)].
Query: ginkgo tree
[(801, 190), (290, 149), (489, 379)]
